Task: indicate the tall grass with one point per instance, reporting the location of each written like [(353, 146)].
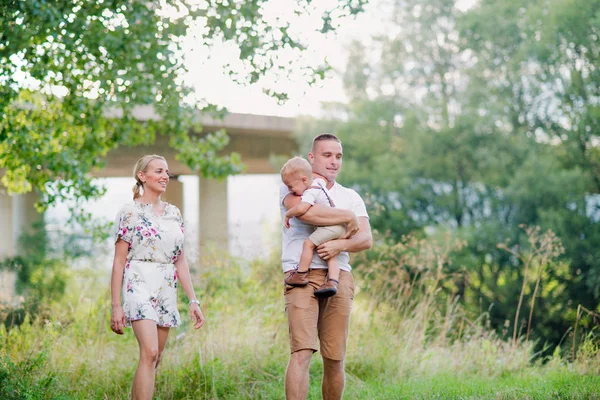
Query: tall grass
[(408, 340)]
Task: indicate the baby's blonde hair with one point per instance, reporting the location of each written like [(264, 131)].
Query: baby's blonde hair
[(296, 165)]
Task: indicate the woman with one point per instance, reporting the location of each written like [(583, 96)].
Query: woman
[(148, 265)]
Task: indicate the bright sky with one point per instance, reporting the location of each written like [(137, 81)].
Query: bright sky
[(206, 69)]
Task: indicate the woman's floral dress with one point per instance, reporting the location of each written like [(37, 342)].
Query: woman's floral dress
[(150, 276)]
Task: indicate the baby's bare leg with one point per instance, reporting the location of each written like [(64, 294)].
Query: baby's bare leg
[(333, 267), (308, 249), (300, 276), (329, 288)]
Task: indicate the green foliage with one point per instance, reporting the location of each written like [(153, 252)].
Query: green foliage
[(549, 52), (474, 123), (243, 349), (42, 275), (23, 381), (408, 273), (72, 73)]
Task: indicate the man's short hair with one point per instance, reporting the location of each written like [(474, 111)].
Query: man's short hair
[(296, 165), (323, 137)]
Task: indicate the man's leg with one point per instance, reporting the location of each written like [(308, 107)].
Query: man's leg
[(334, 320), (296, 375), (302, 310), (333, 379)]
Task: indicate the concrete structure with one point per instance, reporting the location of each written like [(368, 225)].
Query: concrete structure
[(255, 137), (17, 216)]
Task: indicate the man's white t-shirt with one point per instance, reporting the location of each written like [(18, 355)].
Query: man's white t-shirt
[(293, 237)]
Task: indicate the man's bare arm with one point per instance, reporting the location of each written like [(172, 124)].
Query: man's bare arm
[(321, 215), (363, 240)]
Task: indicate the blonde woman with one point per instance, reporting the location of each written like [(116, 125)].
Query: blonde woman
[(148, 265)]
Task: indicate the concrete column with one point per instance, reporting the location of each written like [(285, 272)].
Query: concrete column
[(24, 215), (7, 245), (174, 193), (214, 223), (17, 214)]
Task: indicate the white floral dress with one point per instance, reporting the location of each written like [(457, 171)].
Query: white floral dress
[(150, 277)]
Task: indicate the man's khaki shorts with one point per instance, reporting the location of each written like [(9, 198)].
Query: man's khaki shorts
[(327, 319), (326, 233)]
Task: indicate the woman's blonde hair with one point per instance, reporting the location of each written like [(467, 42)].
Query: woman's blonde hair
[(142, 165)]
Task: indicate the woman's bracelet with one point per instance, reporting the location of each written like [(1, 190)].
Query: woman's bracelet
[(193, 301)]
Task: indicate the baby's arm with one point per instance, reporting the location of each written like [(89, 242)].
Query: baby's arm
[(296, 211)]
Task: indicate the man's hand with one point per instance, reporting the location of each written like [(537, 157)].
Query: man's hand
[(352, 227), (330, 249)]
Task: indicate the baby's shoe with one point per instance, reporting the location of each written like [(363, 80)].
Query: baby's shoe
[(327, 289), (297, 278)]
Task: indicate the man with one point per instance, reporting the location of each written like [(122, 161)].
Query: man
[(310, 318)]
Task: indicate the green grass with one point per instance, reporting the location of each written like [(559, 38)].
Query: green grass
[(557, 385), (242, 351)]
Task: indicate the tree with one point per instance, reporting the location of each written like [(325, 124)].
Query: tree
[(540, 64), (416, 89), (546, 54), (71, 73), (449, 131)]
